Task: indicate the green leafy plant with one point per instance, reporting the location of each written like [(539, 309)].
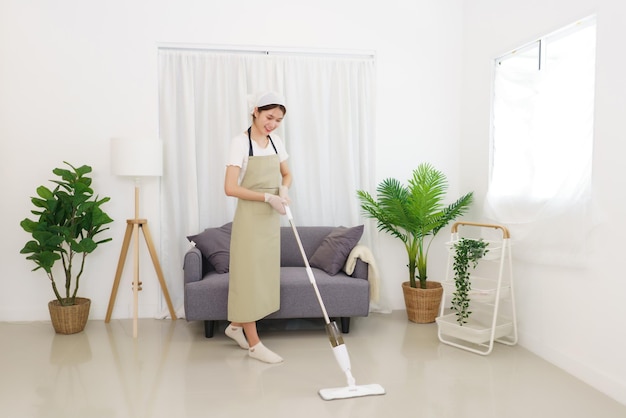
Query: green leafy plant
[(467, 252), (414, 214), (68, 219)]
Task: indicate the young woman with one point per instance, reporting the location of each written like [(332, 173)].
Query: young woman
[(258, 175)]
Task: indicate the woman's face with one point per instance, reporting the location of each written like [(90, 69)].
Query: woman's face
[(268, 120)]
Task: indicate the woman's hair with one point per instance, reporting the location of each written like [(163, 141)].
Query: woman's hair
[(271, 106)]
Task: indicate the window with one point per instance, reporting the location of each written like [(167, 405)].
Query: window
[(542, 136)]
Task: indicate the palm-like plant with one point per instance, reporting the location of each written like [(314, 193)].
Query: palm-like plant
[(414, 213)]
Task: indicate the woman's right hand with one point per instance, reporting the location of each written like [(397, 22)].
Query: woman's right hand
[(277, 202)]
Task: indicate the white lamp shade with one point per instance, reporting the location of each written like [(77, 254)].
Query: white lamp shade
[(136, 157)]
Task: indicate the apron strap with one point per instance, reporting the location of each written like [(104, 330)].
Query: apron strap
[(250, 153)]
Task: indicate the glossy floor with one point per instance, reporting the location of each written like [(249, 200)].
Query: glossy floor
[(171, 370)]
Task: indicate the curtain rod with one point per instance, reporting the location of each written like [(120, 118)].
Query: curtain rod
[(267, 51)]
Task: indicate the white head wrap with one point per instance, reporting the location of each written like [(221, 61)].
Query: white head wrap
[(264, 99)]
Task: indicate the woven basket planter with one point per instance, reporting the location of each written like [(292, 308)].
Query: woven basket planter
[(69, 319), (422, 305)]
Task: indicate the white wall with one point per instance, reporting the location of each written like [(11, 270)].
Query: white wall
[(73, 74), (572, 317)]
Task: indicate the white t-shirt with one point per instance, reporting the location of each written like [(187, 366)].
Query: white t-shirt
[(239, 147)]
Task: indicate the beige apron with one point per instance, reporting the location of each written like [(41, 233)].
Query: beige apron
[(254, 273)]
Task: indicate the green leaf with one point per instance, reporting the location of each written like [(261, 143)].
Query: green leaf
[(40, 203), (44, 193), (101, 218), (67, 175), (83, 189), (104, 240), (82, 170), (30, 247), (86, 245), (45, 259), (29, 225)]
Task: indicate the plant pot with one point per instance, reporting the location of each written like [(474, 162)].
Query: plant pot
[(422, 305), (69, 319)]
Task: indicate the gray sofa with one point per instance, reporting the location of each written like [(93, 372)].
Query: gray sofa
[(327, 248)]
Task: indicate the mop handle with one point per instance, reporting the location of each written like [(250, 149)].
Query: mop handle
[(309, 272)]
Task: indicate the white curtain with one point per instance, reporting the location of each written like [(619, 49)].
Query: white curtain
[(328, 131), (543, 140)]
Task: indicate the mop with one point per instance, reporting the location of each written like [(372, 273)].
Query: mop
[(336, 341)]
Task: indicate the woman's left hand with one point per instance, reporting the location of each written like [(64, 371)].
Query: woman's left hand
[(283, 191)]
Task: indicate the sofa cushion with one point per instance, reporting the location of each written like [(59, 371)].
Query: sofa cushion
[(333, 252), (214, 244), (311, 237)]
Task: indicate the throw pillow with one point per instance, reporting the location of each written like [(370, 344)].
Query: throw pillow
[(214, 244), (333, 252)]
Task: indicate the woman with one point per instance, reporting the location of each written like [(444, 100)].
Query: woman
[(258, 175)]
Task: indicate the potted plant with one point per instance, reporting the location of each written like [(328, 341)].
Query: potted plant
[(68, 220), (414, 214)]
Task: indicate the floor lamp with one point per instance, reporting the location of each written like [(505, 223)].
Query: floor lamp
[(137, 159)]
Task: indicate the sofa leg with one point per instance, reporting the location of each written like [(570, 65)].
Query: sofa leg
[(345, 324), (209, 328)]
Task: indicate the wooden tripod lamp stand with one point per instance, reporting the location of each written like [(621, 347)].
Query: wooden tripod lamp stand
[(137, 159)]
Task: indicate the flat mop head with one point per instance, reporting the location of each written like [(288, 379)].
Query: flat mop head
[(351, 392), (341, 355)]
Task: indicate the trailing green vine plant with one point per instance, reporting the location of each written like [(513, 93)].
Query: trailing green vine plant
[(466, 252)]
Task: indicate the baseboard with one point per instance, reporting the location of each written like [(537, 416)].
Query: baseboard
[(597, 379)]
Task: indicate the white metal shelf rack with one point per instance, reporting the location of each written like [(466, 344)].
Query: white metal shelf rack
[(492, 299)]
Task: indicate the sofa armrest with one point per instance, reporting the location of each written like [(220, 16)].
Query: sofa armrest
[(192, 265), (361, 270), (361, 263)]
